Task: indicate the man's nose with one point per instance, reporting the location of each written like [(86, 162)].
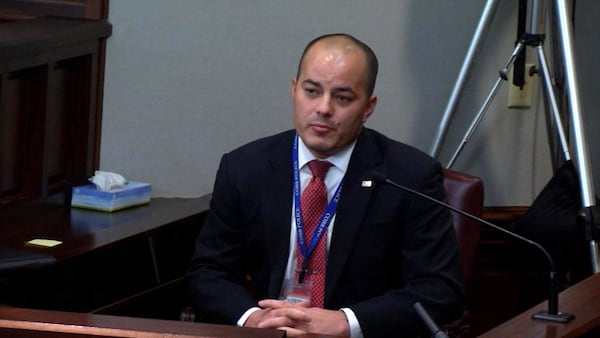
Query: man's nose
[(324, 106)]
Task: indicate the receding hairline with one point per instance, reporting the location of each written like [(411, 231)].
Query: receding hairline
[(338, 42), (346, 44)]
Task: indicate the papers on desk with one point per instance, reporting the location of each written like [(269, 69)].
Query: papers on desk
[(46, 243)]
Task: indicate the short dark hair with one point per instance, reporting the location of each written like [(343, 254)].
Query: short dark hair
[(372, 62)]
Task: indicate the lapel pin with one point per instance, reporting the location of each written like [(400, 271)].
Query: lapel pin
[(366, 184)]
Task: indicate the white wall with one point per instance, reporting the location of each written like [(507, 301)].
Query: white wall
[(187, 80)]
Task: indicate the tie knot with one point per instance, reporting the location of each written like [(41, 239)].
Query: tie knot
[(319, 168)]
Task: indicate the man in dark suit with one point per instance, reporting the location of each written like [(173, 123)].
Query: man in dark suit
[(386, 249)]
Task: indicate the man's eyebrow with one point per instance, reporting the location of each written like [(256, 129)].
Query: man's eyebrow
[(337, 89), (311, 82), (343, 90)]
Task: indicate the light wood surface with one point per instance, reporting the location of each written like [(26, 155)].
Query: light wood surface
[(581, 299)]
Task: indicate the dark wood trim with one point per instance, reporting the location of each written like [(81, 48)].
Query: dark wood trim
[(503, 214), (83, 9), (97, 102), (96, 9)]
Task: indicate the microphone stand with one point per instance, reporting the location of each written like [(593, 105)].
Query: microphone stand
[(431, 325), (552, 314)]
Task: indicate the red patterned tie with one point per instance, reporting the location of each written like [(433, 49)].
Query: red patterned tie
[(314, 202)]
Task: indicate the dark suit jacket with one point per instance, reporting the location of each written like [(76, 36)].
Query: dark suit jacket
[(388, 248)]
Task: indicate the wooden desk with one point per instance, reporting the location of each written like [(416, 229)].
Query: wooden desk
[(107, 261), (85, 231), (582, 300), (16, 322)]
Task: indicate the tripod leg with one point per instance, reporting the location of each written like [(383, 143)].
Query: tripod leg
[(503, 77), (583, 164), (552, 100), (476, 121), (480, 32)]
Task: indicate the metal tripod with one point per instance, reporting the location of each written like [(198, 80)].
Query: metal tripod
[(534, 37)]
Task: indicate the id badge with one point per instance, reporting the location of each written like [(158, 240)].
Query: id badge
[(294, 292)]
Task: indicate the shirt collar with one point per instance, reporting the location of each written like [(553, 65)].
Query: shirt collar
[(340, 160)]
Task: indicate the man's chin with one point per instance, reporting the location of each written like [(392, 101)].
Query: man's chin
[(317, 143), (319, 151)]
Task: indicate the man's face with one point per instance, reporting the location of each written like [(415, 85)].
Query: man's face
[(330, 99)]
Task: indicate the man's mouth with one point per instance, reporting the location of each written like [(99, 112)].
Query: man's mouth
[(320, 127)]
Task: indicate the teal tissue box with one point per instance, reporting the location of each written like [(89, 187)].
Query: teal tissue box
[(88, 197)]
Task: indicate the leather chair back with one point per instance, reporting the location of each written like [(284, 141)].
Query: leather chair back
[(465, 192)]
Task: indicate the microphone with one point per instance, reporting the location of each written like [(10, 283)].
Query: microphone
[(552, 314), (435, 330)]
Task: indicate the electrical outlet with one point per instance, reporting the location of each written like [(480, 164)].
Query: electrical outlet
[(520, 97)]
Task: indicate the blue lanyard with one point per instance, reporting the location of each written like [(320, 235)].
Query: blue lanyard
[(325, 218)]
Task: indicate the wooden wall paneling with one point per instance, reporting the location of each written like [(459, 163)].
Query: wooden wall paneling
[(51, 94), (67, 139), (35, 130), (10, 137), (76, 88), (22, 135), (56, 154), (5, 144), (96, 100)]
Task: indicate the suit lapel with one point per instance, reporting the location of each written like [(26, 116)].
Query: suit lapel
[(278, 188), (352, 207)]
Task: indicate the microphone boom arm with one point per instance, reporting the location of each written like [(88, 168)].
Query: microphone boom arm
[(552, 314)]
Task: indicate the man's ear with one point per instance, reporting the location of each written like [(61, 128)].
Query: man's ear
[(293, 87), (369, 108)]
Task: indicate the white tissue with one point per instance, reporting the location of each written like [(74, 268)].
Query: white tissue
[(106, 180)]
